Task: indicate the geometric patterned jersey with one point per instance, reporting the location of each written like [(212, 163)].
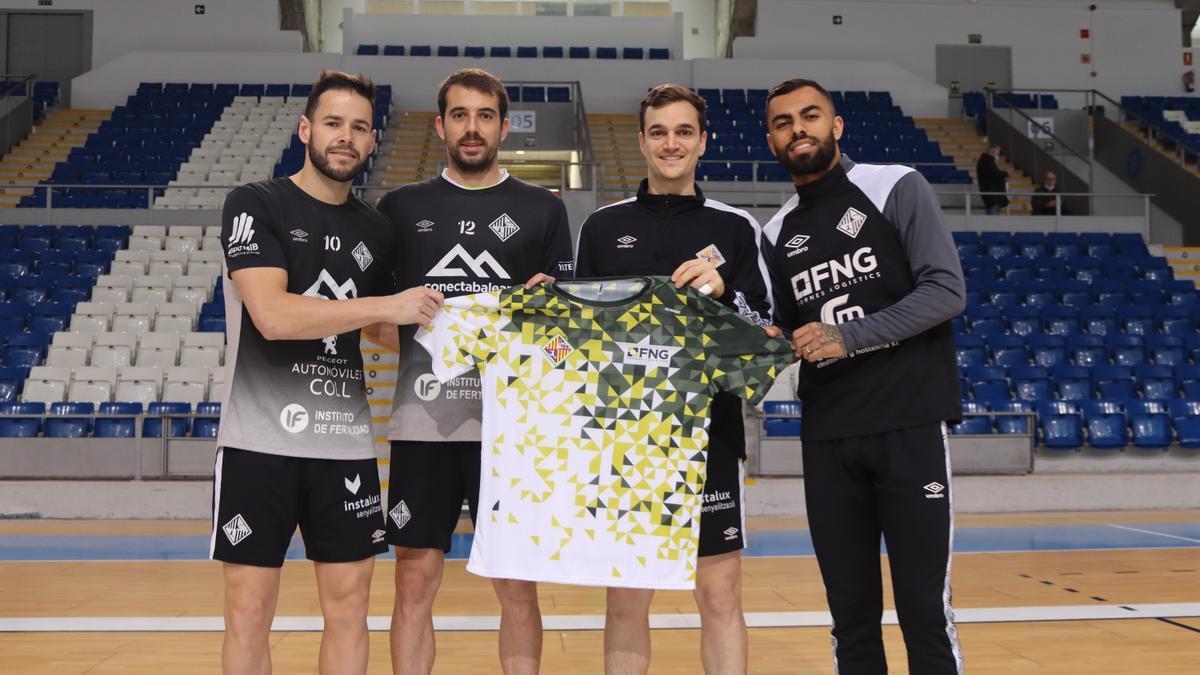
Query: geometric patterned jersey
[(596, 399)]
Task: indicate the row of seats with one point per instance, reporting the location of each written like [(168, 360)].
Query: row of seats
[(109, 420), (41, 238), (1079, 383), (1087, 318), (145, 383), (162, 349), (1108, 425), (1169, 116), (537, 94), (1002, 349), (501, 52)]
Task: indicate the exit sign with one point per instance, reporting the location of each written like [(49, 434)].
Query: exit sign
[(837, 19), (199, 9), (975, 38)]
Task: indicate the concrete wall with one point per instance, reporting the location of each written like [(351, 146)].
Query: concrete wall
[(1137, 42), (123, 26)]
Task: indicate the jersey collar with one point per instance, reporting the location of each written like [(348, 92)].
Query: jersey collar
[(668, 203), (446, 177)]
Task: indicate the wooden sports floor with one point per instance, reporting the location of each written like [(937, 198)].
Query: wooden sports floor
[(1112, 592)]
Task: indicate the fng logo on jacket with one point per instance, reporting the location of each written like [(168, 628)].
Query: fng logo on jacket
[(835, 274), (645, 354)]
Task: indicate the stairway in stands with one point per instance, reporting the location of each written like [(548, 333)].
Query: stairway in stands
[(413, 152), (50, 142), (615, 147), (958, 139)]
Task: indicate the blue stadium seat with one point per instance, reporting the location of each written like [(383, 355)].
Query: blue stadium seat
[(1024, 321), (12, 380), (118, 427), (1114, 382), (1126, 350), (1188, 376), (153, 426), (636, 53), (973, 423), (1074, 383), (1107, 427), (1175, 320), (21, 427), (558, 94), (393, 50), (1100, 321), (969, 351), (527, 52), (1060, 424), (552, 52), (1165, 350), (1152, 431), (1136, 319), (206, 427), (367, 50), (988, 383), (500, 52), (1058, 320), (1156, 382), (475, 52), (1007, 350), (1048, 350), (1087, 350), (580, 52), (420, 50), (606, 52), (64, 420), (533, 94), (1186, 416), (1031, 383), (660, 54), (445, 50), (1010, 424)]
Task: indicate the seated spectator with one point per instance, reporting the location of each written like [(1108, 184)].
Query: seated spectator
[(1045, 197)]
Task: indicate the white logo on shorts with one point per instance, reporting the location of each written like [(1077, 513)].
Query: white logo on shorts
[(935, 490), (377, 536), (236, 529), (400, 515), (353, 485), (294, 418), (731, 534)]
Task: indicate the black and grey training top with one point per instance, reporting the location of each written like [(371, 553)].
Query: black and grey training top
[(653, 235), (865, 248)]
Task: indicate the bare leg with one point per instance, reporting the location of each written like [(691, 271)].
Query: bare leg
[(627, 631), (724, 643), (418, 576), (250, 596), (344, 589), (520, 626)]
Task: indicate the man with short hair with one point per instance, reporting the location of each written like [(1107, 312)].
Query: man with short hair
[(1045, 197), (309, 266), (671, 229), (866, 279), (471, 229)]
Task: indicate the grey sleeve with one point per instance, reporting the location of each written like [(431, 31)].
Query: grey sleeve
[(939, 292)]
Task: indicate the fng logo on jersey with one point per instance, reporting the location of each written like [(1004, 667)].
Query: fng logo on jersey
[(557, 350), (645, 354), (239, 238), (294, 418), (831, 274), (484, 265)]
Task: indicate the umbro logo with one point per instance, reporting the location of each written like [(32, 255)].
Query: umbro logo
[(797, 244), (935, 490), (236, 529), (626, 241), (425, 226), (852, 222), (299, 235), (731, 534), (377, 536)]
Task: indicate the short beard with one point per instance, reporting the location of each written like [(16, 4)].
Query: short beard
[(817, 162), (321, 161), (473, 166)]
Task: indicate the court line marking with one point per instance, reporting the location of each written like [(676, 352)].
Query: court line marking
[(577, 622), (1161, 534)]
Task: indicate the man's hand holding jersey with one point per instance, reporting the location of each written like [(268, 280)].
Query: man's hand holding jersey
[(538, 278), (415, 305), (699, 274), (818, 341)]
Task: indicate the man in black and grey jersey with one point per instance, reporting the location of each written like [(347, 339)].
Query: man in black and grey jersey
[(309, 266), (472, 229), (671, 229), (866, 279)]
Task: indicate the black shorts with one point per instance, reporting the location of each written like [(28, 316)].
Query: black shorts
[(427, 484), (259, 499), (722, 519)]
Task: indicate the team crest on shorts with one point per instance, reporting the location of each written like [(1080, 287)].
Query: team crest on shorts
[(236, 529), (711, 254), (400, 515), (557, 350)]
